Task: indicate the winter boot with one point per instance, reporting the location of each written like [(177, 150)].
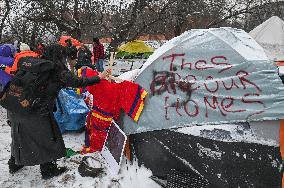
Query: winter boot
[(12, 165), (49, 170)]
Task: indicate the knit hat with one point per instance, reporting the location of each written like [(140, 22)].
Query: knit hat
[(24, 47)]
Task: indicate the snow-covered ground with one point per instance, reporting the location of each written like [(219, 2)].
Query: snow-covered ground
[(29, 177), (131, 175), (121, 66), (230, 133)]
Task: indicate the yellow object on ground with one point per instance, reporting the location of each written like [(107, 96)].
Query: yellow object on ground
[(135, 47)]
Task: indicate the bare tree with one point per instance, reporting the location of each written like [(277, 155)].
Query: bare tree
[(227, 11), (68, 16), (184, 15), (5, 8), (262, 11), (125, 22)]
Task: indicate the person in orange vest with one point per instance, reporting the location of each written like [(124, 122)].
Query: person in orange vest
[(24, 52)]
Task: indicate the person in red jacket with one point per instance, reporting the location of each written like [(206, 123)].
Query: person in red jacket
[(99, 54)]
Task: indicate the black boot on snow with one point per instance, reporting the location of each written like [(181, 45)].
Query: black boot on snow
[(12, 165), (49, 170)]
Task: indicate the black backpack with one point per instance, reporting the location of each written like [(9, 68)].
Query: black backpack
[(28, 85)]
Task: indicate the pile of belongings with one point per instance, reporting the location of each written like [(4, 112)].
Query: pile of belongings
[(71, 111), (109, 98)]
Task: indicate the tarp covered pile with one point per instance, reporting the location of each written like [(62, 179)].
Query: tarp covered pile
[(206, 77)]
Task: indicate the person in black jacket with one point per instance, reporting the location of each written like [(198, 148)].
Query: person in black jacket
[(71, 54), (84, 58), (36, 138)]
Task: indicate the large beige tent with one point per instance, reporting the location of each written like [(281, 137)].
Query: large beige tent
[(269, 32), (270, 35)]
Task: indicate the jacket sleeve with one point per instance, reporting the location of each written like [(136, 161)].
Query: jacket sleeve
[(101, 52), (70, 80), (96, 53), (89, 54)]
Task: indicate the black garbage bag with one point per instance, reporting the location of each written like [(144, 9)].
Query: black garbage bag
[(90, 167)]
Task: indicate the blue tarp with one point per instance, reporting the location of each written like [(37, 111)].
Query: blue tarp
[(71, 111)]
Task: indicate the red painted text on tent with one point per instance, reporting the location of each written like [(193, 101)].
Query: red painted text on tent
[(182, 77)]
